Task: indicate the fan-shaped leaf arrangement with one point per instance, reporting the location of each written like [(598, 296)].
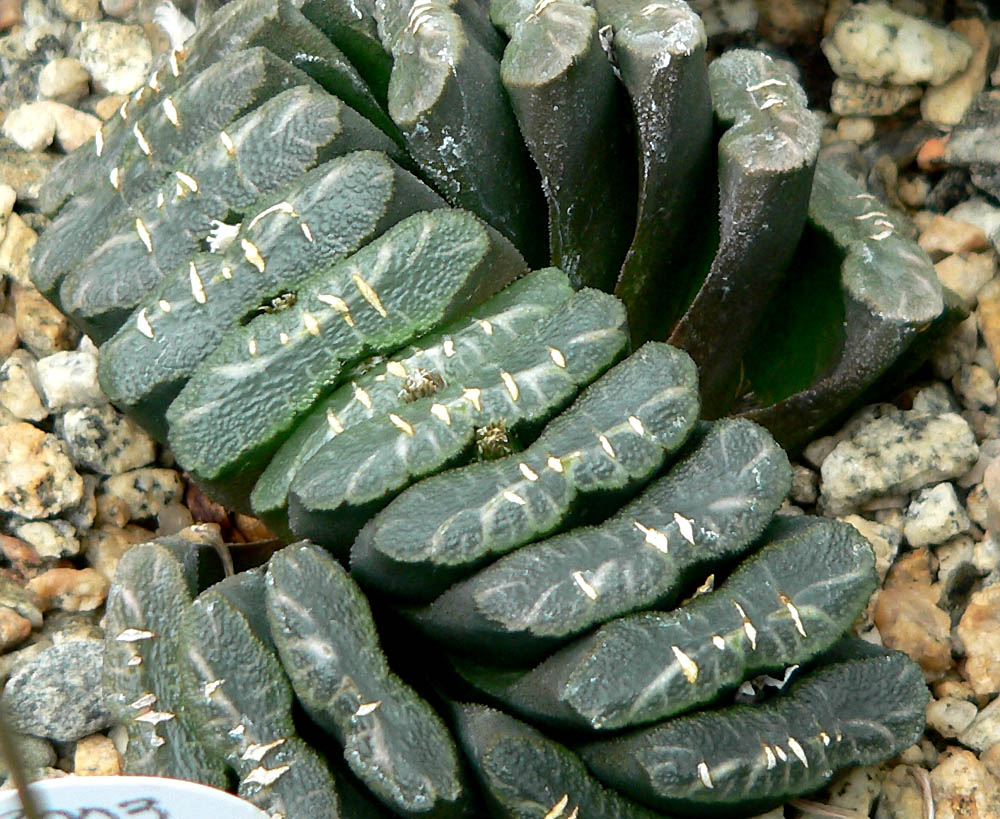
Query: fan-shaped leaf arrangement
[(304, 249)]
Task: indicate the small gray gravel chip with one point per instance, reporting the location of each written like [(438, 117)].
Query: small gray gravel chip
[(57, 694)]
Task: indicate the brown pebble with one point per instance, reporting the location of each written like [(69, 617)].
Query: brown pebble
[(963, 788), (14, 629), (252, 528), (945, 235), (96, 755), (108, 106), (930, 157), (908, 618), (10, 14), (991, 759), (979, 631), (70, 589), (19, 552)]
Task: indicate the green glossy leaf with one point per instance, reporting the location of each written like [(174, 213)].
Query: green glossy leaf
[(745, 759), (144, 605), (238, 700), (323, 216), (707, 511), (612, 440), (782, 607), (511, 395), (393, 741), (889, 297), (569, 109), (659, 49), (446, 97), (766, 161), (231, 416), (453, 354), (526, 775)]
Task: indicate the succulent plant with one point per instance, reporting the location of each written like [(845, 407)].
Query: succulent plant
[(313, 252)]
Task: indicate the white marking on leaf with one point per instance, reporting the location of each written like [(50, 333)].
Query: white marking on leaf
[(134, 661), (636, 425), (197, 285), (131, 635), (798, 751), (688, 666), (238, 731), (160, 200), (781, 754), (227, 143), (557, 357), (486, 326), (361, 396), (768, 83), (252, 254), (748, 627), (140, 138), (144, 701), (142, 324), (99, 141), (396, 369), (335, 426), (553, 463), (513, 497), (227, 271), (366, 708), (280, 207), (684, 525), (510, 384), (718, 642), (449, 348), (116, 178), (792, 610), (307, 232), (769, 756), (528, 472), (440, 411), (144, 237), (187, 180), (368, 294), (401, 424), (265, 777), (257, 751), (171, 111), (654, 537), (311, 325), (557, 809), (337, 304), (283, 338), (154, 717), (585, 587), (704, 775), (212, 686), (472, 395), (606, 446), (252, 347)]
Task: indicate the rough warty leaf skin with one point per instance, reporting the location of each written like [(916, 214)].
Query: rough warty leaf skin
[(441, 291)]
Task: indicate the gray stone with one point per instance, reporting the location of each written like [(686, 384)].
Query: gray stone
[(17, 387), (50, 538), (899, 452), (726, 16), (58, 694), (950, 716), (935, 399), (853, 98), (984, 730), (876, 44), (34, 752), (805, 484), (934, 516), (69, 379), (117, 56), (989, 450), (20, 600), (885, 540), (37, 478), (105, 441), (978, 212), (146, 491), (957, 348)]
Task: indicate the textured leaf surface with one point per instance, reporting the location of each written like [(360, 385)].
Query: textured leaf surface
[(613, 438), (782, 607), (393, 741), (99, 303), (745, 759), (526, 775), (887, 295), (521, 386), (766, 161), (237, 698), (659, 49), (569, 109), (325, 215), (144, 606), (708, 510), (454, 353), (446, 97), (429, 268)]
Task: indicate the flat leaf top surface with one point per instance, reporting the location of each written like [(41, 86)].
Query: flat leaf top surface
[(783, 606), (770, 125), (615, 436), (649, 32), (887, 273), (520, 388), (393, 740), (547, 42), (144, 607), (428, 268), (527, 775), (325, 215), (746, 758), (455, 353), (708, 510)]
